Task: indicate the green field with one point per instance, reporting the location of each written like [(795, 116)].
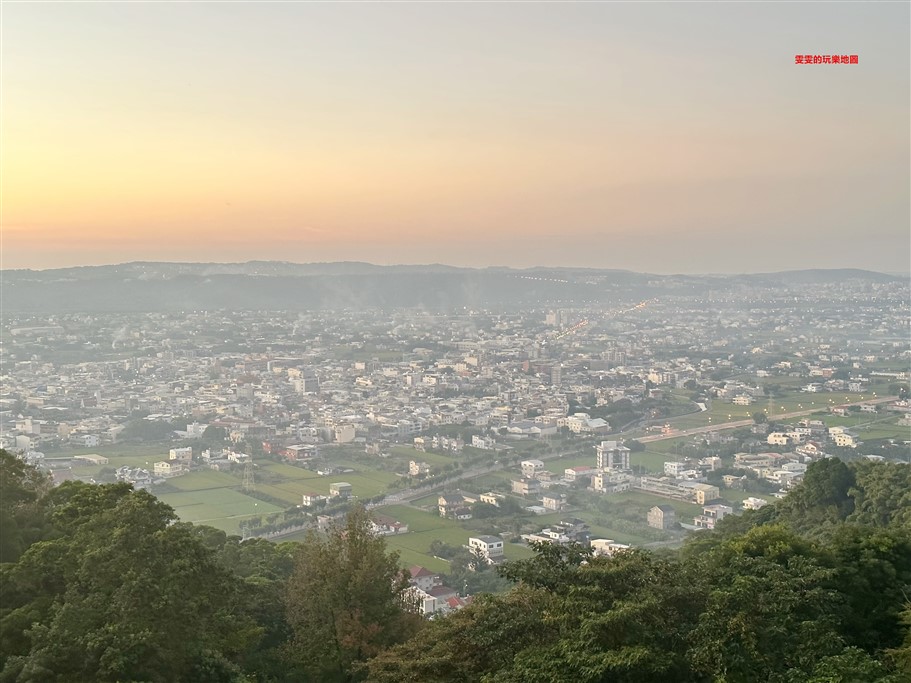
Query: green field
[(222, 508), (406, 454), (597, 531), (721, 412), (365, 484), (204, 480), (286, 471), (649, 460), (683, 509), (426, 527)]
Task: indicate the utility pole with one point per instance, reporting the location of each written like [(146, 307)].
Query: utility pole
[(249, 482)]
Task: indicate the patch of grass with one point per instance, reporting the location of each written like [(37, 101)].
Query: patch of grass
[(426, 501), (409, 558), (421, 540), (283, 492), (417, 520), (619, 536), (287, 471), (203, 480), (683, 509), (406, 454), (221, 508), (515, 551), (650, 460)]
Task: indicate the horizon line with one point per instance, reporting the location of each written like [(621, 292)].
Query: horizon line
[(455, 267)]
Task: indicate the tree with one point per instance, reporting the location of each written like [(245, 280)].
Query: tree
[(216, 434), (21, 520), (882, 495), (470, 643), (770, 609), (823, 497), (346, 600), (760, 417), (634, 446), (121, 593)]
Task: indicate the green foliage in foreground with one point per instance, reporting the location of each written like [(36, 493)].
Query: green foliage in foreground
[(100, 583), (813, 589)]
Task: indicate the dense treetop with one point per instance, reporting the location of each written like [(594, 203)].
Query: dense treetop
[(101, 583)]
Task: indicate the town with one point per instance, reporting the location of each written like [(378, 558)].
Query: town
[(473, 433)]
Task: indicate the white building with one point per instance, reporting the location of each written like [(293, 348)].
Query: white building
[(531, 468), (181, 454), (675, 469), (605, 547), (343, 433), (778, 439), (612, 456), (489, 547)]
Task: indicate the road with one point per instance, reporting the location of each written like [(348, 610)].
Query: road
[(408, 495), (747, 423)]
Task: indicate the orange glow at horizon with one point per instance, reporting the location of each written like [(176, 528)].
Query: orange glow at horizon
[(172, 133)]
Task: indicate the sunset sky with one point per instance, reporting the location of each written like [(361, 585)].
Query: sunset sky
[(655, 137)]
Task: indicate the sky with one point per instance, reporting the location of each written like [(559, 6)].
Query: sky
[(660, 137)]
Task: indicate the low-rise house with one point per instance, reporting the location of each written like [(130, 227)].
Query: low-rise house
[(778, 439), (554, 502), (491, 498), (423, 578), (381, 525), (572, 474), (430, 594), (526, 487), (416, 468), (674, 469), (752, 503), (611, 482), (340, 489), (485, 443), (166, 468), (846, 440), (711, 515), (531, 467), (662, 517), (310, 499), (488, 547), (298, 452), (455, 505), (701, 493), (184, 455), (605, 547)]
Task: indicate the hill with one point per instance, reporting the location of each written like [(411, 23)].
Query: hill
[(275, 285)]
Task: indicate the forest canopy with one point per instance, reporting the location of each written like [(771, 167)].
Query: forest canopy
[(102, 583)]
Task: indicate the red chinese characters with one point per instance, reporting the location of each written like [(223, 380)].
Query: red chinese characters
[(826, 59)]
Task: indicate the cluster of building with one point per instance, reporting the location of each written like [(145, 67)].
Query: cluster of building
[(291, 382)]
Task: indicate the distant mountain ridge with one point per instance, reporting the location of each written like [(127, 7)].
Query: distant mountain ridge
[(279, 285)]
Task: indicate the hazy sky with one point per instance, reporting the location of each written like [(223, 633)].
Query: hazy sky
[(661, 137)]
